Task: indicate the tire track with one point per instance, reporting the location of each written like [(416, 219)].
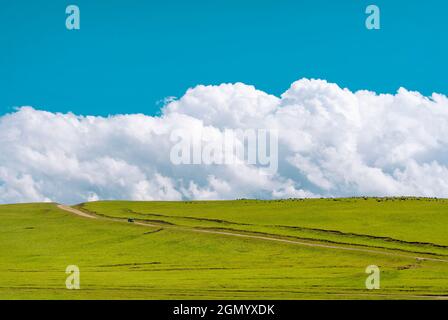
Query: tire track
[(249, 236)]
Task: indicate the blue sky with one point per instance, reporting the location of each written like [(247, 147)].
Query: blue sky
[(129, 55)]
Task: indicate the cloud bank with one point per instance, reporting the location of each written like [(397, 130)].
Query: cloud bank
[(331, 142)]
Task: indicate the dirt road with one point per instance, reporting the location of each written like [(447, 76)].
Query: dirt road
[(251, 236), (75, 211)]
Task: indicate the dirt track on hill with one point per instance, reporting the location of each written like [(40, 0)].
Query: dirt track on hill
[(77, 212), (251, 236)]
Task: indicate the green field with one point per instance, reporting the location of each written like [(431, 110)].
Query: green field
[(245, 249)]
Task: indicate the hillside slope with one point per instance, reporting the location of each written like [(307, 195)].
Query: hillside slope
[(171, 260)]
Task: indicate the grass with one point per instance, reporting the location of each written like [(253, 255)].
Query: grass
[(412, 224), (120, 260)]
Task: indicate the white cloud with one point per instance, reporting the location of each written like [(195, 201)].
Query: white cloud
[(332, 142)]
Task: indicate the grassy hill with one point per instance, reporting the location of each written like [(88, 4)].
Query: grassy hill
[(245, 249)]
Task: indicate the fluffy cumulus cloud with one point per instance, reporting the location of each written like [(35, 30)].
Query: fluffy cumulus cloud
[(331, 142)]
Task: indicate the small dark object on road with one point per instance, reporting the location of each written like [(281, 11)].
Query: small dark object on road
[(130, 220)]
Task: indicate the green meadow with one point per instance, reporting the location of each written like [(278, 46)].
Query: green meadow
[(243, 249)]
